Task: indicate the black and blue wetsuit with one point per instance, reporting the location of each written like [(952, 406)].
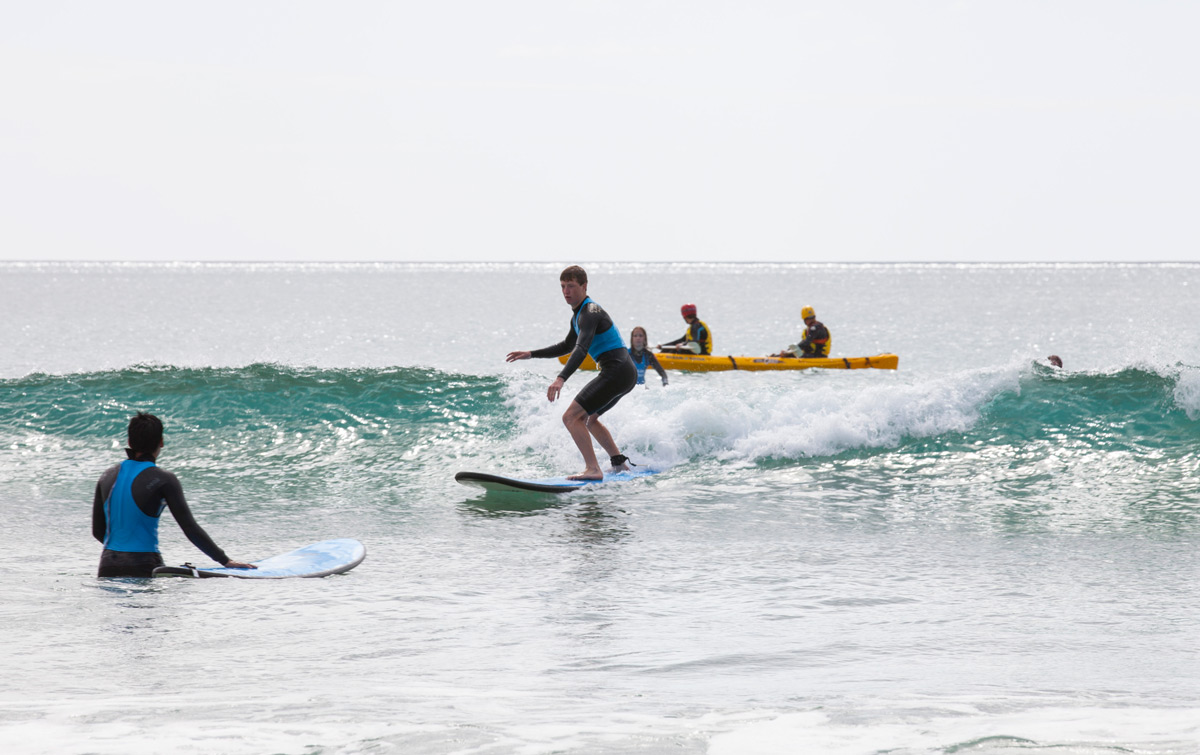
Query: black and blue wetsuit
[(643, 359), (130, 497), (593, 333)]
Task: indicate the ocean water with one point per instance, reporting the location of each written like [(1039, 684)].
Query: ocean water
[(975, 553)]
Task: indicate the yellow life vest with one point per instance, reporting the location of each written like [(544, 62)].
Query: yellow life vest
[(706, 344)]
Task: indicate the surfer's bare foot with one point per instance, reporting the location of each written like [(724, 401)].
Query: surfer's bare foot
[(588, 474)]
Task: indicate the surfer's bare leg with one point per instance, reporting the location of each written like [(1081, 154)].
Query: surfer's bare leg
[(604, 438), (576, 420)]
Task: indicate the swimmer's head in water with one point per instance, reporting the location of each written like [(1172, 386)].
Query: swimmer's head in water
[(637, 332)]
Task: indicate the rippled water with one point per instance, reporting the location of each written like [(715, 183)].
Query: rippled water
[(976, 553)]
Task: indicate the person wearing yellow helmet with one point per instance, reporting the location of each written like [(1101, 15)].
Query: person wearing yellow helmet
[(816, 340)]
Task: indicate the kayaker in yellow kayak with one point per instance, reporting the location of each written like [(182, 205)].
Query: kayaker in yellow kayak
[(696, 340), (816, 341)]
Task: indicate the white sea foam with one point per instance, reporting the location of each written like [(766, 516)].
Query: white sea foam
[(1187, 392), (967, 727), (743, 416)]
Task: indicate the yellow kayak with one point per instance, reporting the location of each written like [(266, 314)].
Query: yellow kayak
[(702, 363)]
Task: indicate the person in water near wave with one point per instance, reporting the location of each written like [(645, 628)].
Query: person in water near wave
[(129, 500), (591, 333), (643, 357), (814, 344)]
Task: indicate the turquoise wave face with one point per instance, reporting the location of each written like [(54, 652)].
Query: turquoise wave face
[(272, 433), (1065, 451), (1133, 411), (295, 431)]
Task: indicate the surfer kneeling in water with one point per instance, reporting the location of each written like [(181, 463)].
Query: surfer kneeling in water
[(642, 357), (129, 500), (591, 332), (697, 339), (814, 344)]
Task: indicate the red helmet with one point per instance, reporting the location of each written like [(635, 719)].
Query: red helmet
[(688, 310)]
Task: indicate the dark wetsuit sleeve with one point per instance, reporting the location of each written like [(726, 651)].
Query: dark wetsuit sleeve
[(591, 319), (679, 340), (154, 486), (557, 350), (657, 367), (103, 486)]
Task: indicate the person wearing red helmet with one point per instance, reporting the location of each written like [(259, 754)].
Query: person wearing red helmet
[(696, 340)]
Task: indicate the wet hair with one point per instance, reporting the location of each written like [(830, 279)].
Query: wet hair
[(1054, 360), (145, 433), (634, 332), (574, 273)]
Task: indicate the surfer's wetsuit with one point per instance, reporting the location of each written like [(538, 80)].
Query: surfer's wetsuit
[(643, 359), (129, 499), (592, 332)]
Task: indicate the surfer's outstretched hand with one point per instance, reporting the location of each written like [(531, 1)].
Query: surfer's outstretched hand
[(239, 565), (515, 355), (554, 389)]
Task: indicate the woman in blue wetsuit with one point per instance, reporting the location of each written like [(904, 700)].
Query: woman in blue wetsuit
[(642, 357), (129, 502)]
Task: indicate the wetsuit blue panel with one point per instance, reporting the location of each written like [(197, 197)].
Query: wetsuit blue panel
[(128, 528), (641, 364), (601, 342)]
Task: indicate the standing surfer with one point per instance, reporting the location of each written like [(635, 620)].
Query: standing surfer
[(130, 498), (591, 333)]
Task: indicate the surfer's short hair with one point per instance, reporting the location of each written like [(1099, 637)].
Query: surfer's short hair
[(145, 433), (574, 273)]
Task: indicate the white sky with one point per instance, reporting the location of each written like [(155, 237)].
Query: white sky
[(838, 130)]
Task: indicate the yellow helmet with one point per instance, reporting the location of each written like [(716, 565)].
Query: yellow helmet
[(806, 313)]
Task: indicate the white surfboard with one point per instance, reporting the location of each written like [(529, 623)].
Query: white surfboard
[(316, 560)]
